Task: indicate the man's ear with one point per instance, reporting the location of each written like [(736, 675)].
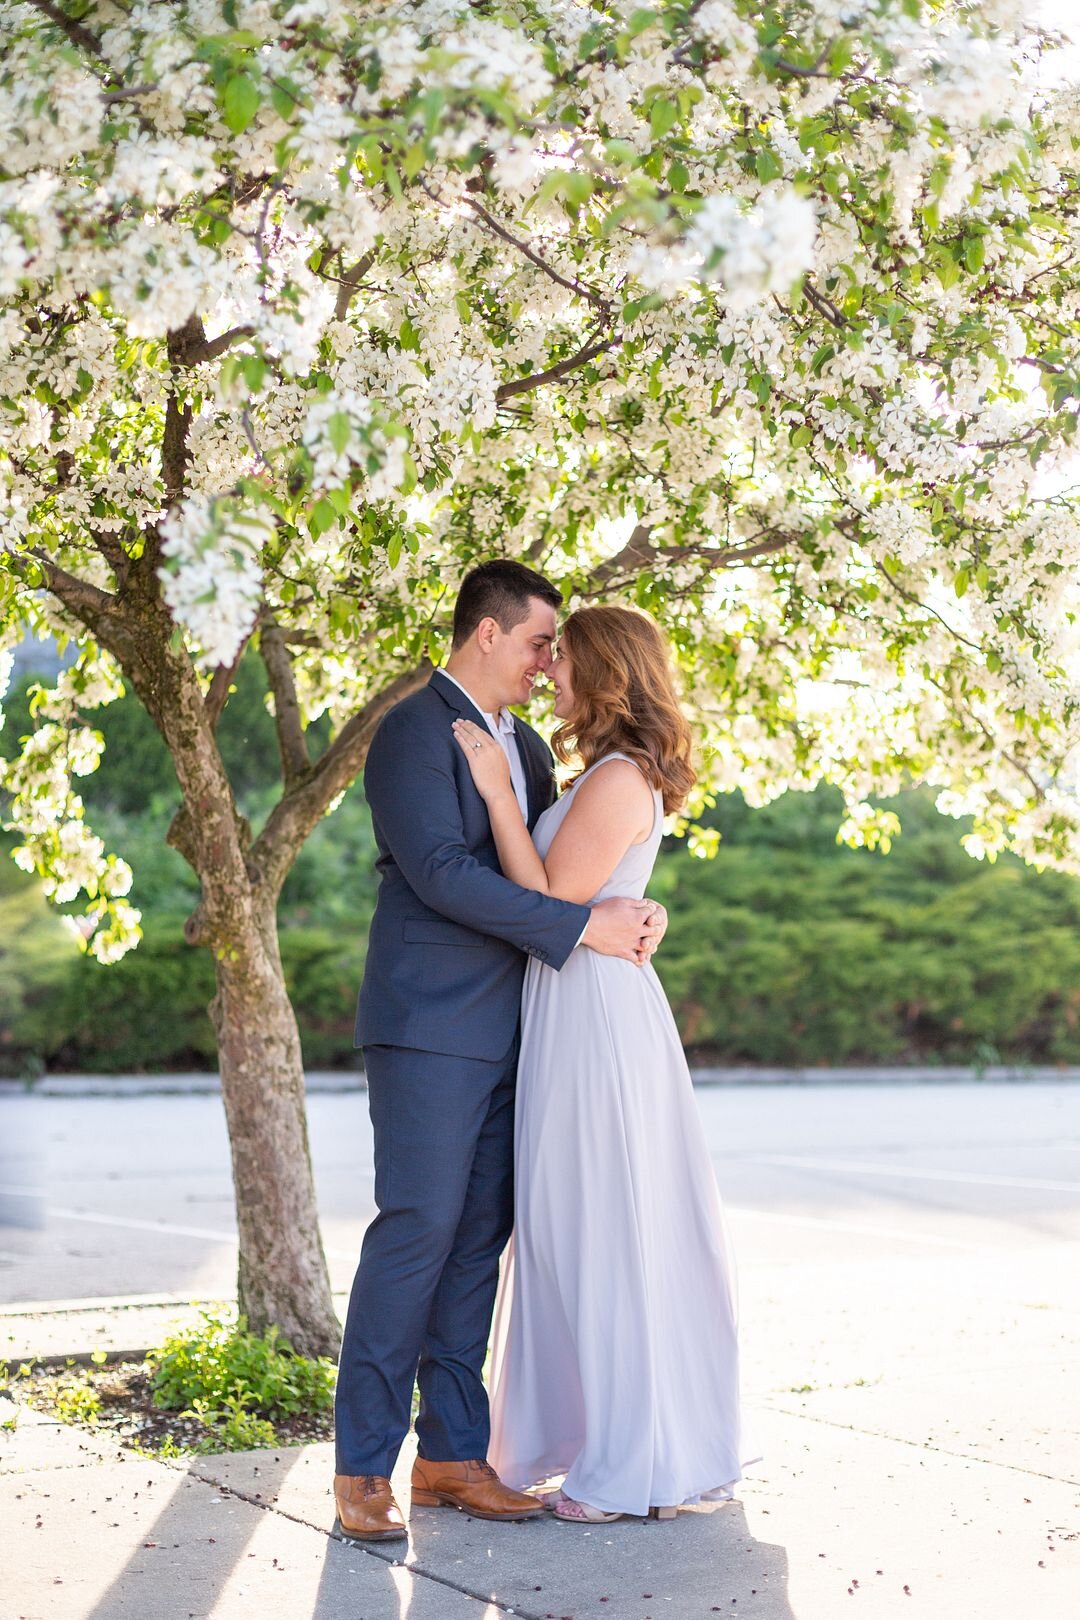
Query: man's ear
[(486, 632)]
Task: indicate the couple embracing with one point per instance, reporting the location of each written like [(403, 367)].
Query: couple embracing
[(509, 961)]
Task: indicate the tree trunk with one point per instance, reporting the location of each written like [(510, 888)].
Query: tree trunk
[(283, 1277)]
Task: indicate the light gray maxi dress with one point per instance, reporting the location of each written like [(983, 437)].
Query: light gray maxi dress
[(615, 1354)]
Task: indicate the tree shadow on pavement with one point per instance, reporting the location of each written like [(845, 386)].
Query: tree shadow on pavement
[(706, 1562), (195, 1546)]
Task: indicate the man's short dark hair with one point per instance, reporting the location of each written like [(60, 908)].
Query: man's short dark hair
[(499, 590)]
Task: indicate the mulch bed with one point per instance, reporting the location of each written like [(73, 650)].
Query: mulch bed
[(128, 1414)]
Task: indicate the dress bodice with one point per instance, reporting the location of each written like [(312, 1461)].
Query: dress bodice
[(631, 875)]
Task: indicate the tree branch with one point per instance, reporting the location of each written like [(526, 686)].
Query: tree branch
[(349, 283), (217, 693), (87, 602), (292, 744), (174, 451), (189, 345), (639, 553), (301, 808), (129, 93), (823, 305), (539, 379), (895, 586), (76, 33), (533, 255)]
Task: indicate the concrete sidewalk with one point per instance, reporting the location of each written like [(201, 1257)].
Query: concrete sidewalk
[(917, 1415), (835, 1523)]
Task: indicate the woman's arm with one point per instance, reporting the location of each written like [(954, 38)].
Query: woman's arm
[(611, 811)]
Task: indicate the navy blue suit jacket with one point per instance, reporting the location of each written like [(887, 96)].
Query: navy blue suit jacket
[(446, 952)]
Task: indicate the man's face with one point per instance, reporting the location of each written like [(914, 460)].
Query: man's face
[(521, 654)]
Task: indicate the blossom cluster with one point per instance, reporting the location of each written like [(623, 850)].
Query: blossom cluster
[(771, 324), (212, 578)]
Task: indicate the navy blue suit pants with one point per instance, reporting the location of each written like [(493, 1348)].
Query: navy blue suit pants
[(421, 1303)]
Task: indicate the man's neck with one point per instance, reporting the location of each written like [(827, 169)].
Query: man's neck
[(471, 678)]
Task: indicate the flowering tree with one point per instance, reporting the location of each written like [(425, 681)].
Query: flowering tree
[(762, 316)]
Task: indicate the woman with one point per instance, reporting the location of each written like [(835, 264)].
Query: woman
[(615, 1357)]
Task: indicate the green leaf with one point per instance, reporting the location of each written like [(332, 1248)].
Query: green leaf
[(663, 116), (767, 165), (974, 253), (320, 517), (639, 20), (678, 176), (408, 336), (802, 436), (393, 548), (339, 430), (282, 102), (415, 158), (948, 272), (240, 101), (960, 583), (637, 306)]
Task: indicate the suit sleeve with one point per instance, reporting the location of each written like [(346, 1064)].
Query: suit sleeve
[(413, 794)]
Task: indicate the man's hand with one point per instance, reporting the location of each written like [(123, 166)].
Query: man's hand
[(626, 928), (653, 932)]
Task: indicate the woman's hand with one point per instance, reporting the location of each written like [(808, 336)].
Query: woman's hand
[(487, 759)]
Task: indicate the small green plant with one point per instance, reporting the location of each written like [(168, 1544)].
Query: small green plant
[(166, 1451), (235, 1376), (77, 1403), (231, 1427)]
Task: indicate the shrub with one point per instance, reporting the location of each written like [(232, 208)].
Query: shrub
[(220, 1369)]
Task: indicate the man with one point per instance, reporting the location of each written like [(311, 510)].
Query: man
[(438, 1022)]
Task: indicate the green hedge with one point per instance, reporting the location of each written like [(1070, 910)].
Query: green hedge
[(149, 1010), (760, 967), (784, 949)]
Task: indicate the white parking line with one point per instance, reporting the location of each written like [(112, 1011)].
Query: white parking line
[(208, 1233), (212, 1235), (892, 1233), (819, 1222), (860, 1167)]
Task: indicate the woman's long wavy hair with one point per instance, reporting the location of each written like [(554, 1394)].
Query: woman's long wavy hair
[(625, 699)]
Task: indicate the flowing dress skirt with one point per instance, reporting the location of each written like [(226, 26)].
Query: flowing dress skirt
[(615, 1358)]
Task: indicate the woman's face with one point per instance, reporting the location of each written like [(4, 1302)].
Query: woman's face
[(559, 676)]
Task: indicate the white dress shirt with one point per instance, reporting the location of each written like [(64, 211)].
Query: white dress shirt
[(501, 727)]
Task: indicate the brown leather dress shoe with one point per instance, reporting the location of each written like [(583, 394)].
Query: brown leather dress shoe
[(366, 1508), (474, 1487)]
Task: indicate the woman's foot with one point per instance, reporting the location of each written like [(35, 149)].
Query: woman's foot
[(581, 1512), (721, 1493)]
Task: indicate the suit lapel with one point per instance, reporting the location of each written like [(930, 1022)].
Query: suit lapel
[(532, 750), (525, 753), (537, 770), (458, 700)]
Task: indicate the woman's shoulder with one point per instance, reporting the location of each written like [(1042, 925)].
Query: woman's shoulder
[(615, 775)]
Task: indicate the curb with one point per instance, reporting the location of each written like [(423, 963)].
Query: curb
[(341, 1082), (169, 1306)]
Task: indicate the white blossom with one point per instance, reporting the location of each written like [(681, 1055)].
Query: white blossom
[(213, 581), (756, 252)]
